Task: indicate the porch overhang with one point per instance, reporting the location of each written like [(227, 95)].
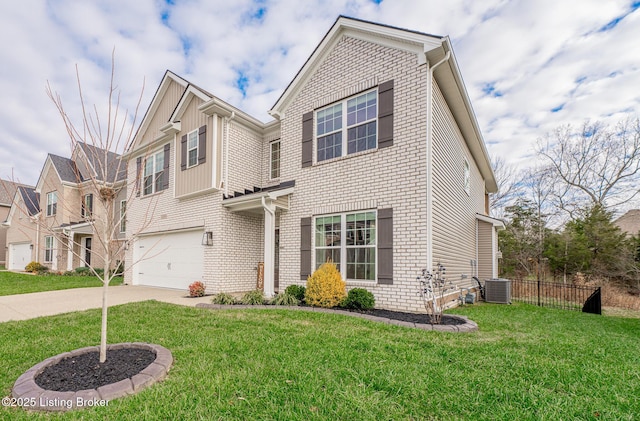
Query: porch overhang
[(82, 228), (253, 201), (497, 223)]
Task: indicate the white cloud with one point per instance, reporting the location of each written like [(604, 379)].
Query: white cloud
[(520, 59)]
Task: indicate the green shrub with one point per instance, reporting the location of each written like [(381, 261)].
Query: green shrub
[(42, 270), (223, 298), (255, 297), (285, 299), (35, 267), (297, 291), (325, 287), (83, 271), (196, 289), (359, 299), (69, 273)]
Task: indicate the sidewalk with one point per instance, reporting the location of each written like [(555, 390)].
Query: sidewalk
[(29, 306)]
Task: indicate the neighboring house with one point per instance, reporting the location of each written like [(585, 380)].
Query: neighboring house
[(57, 219), (7, 193), (629, 223), (374, 160)]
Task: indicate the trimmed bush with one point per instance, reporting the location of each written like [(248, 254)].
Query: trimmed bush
[(223, 298), (285, 299), (297, 291), (359, 299), (35, 267), (196, 289), (84, 271), (325, 287), (253, 298)]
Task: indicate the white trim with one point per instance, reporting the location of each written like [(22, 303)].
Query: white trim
[(279, 142), (122, 218), (498, 223), (189, 149)]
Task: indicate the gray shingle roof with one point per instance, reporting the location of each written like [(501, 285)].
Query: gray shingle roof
[(66, 168), (115, 167), (31, 199), (8, 191)]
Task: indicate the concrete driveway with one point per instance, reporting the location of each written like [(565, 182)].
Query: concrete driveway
[(29, 306)]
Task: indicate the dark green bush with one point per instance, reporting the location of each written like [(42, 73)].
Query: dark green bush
[(83, 271), (297, 291), (223, 298), (359, 299)]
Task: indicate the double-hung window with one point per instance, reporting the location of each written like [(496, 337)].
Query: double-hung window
[(275, 159), (349, 240), (52, 203), (48, 249), (87, 205), (192, 149), (347, 127), (123, 216), (153, 173)]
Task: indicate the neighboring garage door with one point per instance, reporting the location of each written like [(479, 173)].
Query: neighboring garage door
[(19, 256), (173, 260)]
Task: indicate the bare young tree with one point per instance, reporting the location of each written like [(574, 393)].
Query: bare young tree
[(594, 165), (105, 138)]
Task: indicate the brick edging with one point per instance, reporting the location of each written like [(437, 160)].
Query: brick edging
[(467, 326), (29, 395)]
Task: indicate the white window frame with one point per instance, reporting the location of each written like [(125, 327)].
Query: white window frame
[(467, 177), (343, 130), (274, 162), (192, 135), (52, 203), (156, 175), (49, 249), (123, 216), (343, 247), (87, 211)]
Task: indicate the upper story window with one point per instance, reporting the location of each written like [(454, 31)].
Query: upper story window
[(123, 216), (347, 127), (192, 149), (275, 159), (52, 203), (48, 249), (467, 177), (87, 205), (153, 173)]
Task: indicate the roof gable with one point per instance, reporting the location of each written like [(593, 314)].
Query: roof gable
[(103, 165), (7, 191), (403, 39)]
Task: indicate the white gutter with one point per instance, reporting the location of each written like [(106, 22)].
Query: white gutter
[(227, 121), (430, 71)]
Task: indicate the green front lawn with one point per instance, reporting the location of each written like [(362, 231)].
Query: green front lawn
[(21, 283), (524, 363)]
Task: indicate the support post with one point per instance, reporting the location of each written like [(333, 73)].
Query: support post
[(269, 247), (70, 242)]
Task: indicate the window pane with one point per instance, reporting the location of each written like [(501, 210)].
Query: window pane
[(148, 166), (148, 185), (362, 137), (329, 119), (193, 157), (362, 108), (159, 158), (330, 146), (193, 140), (323, 255), (159, 181)]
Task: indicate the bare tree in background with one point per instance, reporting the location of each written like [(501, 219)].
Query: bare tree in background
[(594, 165), (507, 179)]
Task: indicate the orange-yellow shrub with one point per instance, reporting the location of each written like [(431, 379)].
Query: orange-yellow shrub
[(325, 287)]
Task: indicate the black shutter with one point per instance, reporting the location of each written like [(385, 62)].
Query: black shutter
[(165, 170), (183, 153), (138, 175), (307, 139), (202, 145), (385, 114), (305, 248), (385, 246)]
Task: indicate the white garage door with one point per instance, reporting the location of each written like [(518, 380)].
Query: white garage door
[(172, 260), (19, 256)]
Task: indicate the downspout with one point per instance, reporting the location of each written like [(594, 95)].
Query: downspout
[(227, 120), (430, 71)]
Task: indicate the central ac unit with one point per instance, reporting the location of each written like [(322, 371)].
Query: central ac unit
[(497, 291)]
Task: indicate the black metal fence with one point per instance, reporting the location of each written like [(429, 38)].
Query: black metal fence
[(555, 295)]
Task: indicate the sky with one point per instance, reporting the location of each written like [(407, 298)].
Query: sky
[(529, 66)]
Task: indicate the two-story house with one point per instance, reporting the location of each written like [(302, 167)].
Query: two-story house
[(54, 223), (8, 191), (374, 159)]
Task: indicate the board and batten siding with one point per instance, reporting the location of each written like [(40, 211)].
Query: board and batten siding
[(164, 110), (199, 177), (485, 250), (454, 222)]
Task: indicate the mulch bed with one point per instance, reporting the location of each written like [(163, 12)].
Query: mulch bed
[(413, 317), (85, 371)]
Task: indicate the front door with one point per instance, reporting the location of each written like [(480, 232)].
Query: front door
[(87, 251), (276, 260)]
